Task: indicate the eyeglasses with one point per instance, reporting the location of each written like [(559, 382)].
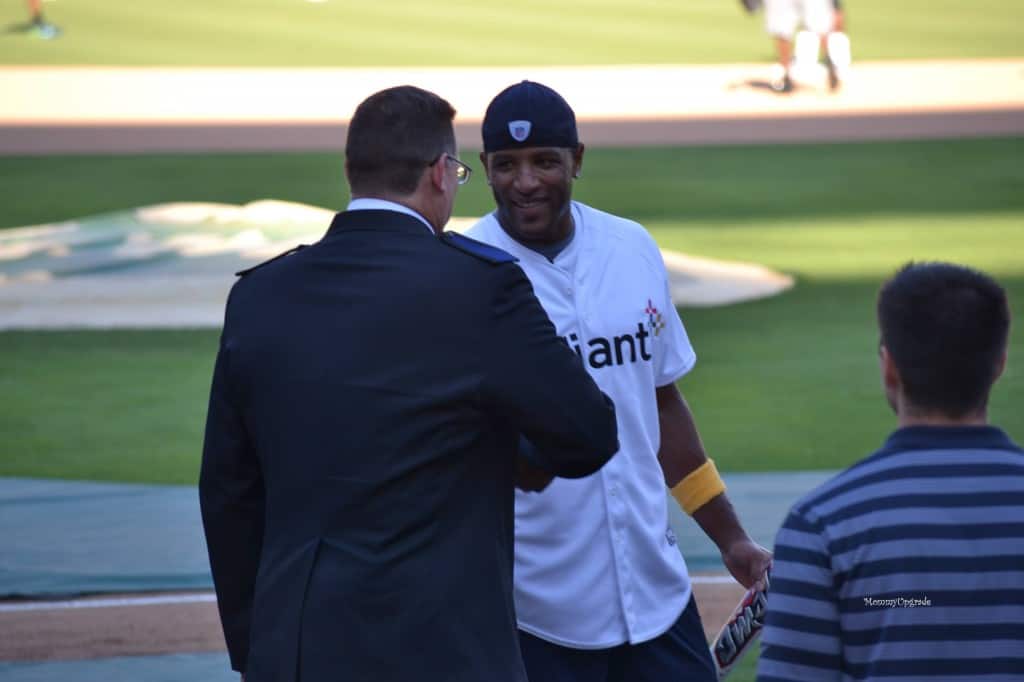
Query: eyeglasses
[(462, 171)]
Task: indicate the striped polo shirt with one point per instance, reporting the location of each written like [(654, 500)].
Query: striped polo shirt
[(907, 566)]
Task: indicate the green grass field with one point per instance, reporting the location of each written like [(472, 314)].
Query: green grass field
[(785, 383), (792, 382), (747, 669), (481, 33), (725, 185), (118, 405)]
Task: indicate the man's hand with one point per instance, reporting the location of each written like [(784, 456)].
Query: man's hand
[(531, 479), (747, 561)]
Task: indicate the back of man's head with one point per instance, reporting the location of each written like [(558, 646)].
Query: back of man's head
[(392, 138), (946, 328)]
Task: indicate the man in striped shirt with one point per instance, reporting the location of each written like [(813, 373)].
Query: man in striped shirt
[(910, 564)]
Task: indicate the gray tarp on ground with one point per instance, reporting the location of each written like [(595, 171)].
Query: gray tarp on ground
[(73, 537), (171, 265), (170, 668)]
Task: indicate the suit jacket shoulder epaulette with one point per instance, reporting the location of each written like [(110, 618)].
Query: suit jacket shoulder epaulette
[(486, 252), (294, 249)]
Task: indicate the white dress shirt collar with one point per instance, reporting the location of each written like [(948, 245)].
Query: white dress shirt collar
[(370, 204)]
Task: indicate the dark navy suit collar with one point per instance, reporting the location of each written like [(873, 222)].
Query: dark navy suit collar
[(376, 221), (947, 438)]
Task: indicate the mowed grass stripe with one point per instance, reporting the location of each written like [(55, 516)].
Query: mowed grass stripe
[(484, 33), (117, 406), (725, 184)]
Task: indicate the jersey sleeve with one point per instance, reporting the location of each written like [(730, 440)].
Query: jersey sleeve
[(674, 355)]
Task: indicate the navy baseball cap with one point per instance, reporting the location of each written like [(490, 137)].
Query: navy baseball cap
[(529, 114)]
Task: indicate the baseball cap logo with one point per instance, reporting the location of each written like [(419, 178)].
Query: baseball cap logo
[(519, 130)]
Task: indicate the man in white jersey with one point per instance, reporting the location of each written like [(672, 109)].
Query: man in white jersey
[(601, 590)]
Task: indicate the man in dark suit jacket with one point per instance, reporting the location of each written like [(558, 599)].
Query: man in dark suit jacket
[(373, 397)]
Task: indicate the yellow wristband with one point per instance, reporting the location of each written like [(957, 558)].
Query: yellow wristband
[(698, 487)]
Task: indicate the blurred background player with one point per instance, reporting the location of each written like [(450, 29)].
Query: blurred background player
[(824, 24), (42, 28)]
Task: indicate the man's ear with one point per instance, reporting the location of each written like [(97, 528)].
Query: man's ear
[(577, 161), (439, 174), (890, 373), (483, 164), (1001, 367)]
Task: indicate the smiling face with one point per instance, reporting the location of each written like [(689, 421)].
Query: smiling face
[(532, 188)]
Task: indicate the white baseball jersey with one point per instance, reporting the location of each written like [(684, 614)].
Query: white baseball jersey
[(596, 564)]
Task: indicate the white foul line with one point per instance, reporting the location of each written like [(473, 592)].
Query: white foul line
[(208, 597), (107, 603)]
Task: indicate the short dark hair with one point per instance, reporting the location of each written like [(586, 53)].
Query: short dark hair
[(392, 138), (946, 328)]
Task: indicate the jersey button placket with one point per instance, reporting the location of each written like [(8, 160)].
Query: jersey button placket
[(617, 526), (622, 547), (580, 309), (579, 303)]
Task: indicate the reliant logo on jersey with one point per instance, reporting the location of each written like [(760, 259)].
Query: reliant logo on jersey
[(602, 352), (654, 320), (618, 350)]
